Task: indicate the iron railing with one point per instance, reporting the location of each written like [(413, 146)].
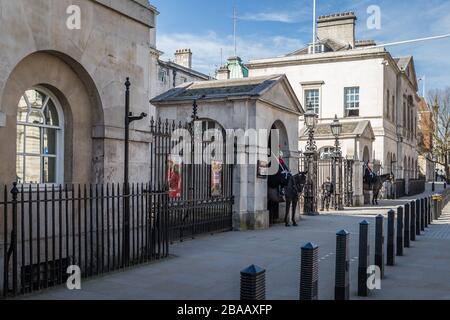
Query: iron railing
[(196, 209), (47, 229), (416, 186)]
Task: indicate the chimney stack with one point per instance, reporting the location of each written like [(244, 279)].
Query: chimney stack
[(183, 57), (223, 73), (339, 27)]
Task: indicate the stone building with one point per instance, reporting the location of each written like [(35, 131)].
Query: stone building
[(166, 75), (266, 102), (357, 82), (62, 89), (425, 130)]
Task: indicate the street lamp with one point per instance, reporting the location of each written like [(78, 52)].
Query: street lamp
[(311, 120), (336, 130)]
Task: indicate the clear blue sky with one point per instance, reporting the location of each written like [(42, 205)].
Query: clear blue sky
[(269, 28)]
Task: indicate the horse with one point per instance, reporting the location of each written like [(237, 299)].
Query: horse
[(376, 183), (292, 191)]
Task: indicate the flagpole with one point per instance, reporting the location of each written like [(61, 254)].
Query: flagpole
[(314, 27)]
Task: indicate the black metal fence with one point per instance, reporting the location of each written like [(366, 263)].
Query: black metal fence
[(340, 172), (201, 200), (416, 186), (48, 229)]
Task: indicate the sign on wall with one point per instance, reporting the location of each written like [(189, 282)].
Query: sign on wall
[(216, 178), (174, 176)]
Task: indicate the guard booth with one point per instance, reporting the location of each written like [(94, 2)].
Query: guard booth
[(245, 111)]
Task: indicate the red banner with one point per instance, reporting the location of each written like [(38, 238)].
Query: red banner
[(174, 176)]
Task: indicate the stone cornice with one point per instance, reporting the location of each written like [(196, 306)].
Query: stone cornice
[(138, 10)]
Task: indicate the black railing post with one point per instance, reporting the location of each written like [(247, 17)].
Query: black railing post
[(126, 187), (364, 258), (309, 272), (418, 218), (390, 261), (253, 283), (342, 281), (430, 216), (400, 231), (379, 244), (14, 192), (407, 226), (413, 221)]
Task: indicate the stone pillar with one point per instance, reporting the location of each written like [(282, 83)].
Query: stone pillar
[(358, 192), (250, 203)]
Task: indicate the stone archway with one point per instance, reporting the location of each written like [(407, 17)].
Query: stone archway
[(69, 82), (366, 155)]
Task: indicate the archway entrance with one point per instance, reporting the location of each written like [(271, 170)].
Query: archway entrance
[(278, 135), (51, 106)]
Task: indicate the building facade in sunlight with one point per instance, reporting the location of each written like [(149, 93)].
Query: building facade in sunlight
[(359, 83)]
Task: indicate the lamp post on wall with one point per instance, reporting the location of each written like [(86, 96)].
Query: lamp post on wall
[(311, 120), (129, 118), (336, 130)]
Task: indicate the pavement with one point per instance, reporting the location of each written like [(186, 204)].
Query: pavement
[(208, 268)]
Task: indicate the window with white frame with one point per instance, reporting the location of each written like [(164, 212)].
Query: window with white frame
[(326, 153), (162, 75), (351, 101), (312, 100), (39, 157)]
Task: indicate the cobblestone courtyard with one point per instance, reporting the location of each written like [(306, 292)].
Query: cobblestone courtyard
[(208, 268)]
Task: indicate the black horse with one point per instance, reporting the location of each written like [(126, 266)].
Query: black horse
[(292, 191), (376, 182)]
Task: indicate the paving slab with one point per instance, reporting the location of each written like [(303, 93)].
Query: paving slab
[(208, 267)]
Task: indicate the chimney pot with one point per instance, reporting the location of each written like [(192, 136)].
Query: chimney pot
[(183, 57)]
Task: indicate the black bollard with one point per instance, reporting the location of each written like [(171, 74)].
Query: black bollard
[(412, 228), (379, 243), (430, 217), (407, 238), (309, 272), (390, 260), (400, 230), (342, 281), (253, 283), (433, 187), (364, 259), (418, 218), (423, 221)]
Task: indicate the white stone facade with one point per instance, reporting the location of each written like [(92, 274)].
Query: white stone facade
[(375, 73)]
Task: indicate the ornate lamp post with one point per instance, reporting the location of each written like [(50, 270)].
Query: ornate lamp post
[(310, 207), (336, 129)]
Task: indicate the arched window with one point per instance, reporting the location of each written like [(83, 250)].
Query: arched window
[(326, 153), (40, 135)]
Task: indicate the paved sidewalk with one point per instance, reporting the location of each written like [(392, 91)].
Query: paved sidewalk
[(208, 267)]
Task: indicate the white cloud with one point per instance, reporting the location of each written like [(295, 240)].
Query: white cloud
[(269, 16), (207, 47)]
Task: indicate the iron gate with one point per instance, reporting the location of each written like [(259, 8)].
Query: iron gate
[(340, 172), (199, 206)]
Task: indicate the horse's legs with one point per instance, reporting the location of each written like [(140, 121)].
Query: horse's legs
[(286, 217), (294, 209)]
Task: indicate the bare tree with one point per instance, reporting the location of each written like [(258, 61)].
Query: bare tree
[(439, 99)]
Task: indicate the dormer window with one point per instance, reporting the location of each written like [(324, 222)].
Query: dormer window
[(320, 48)]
